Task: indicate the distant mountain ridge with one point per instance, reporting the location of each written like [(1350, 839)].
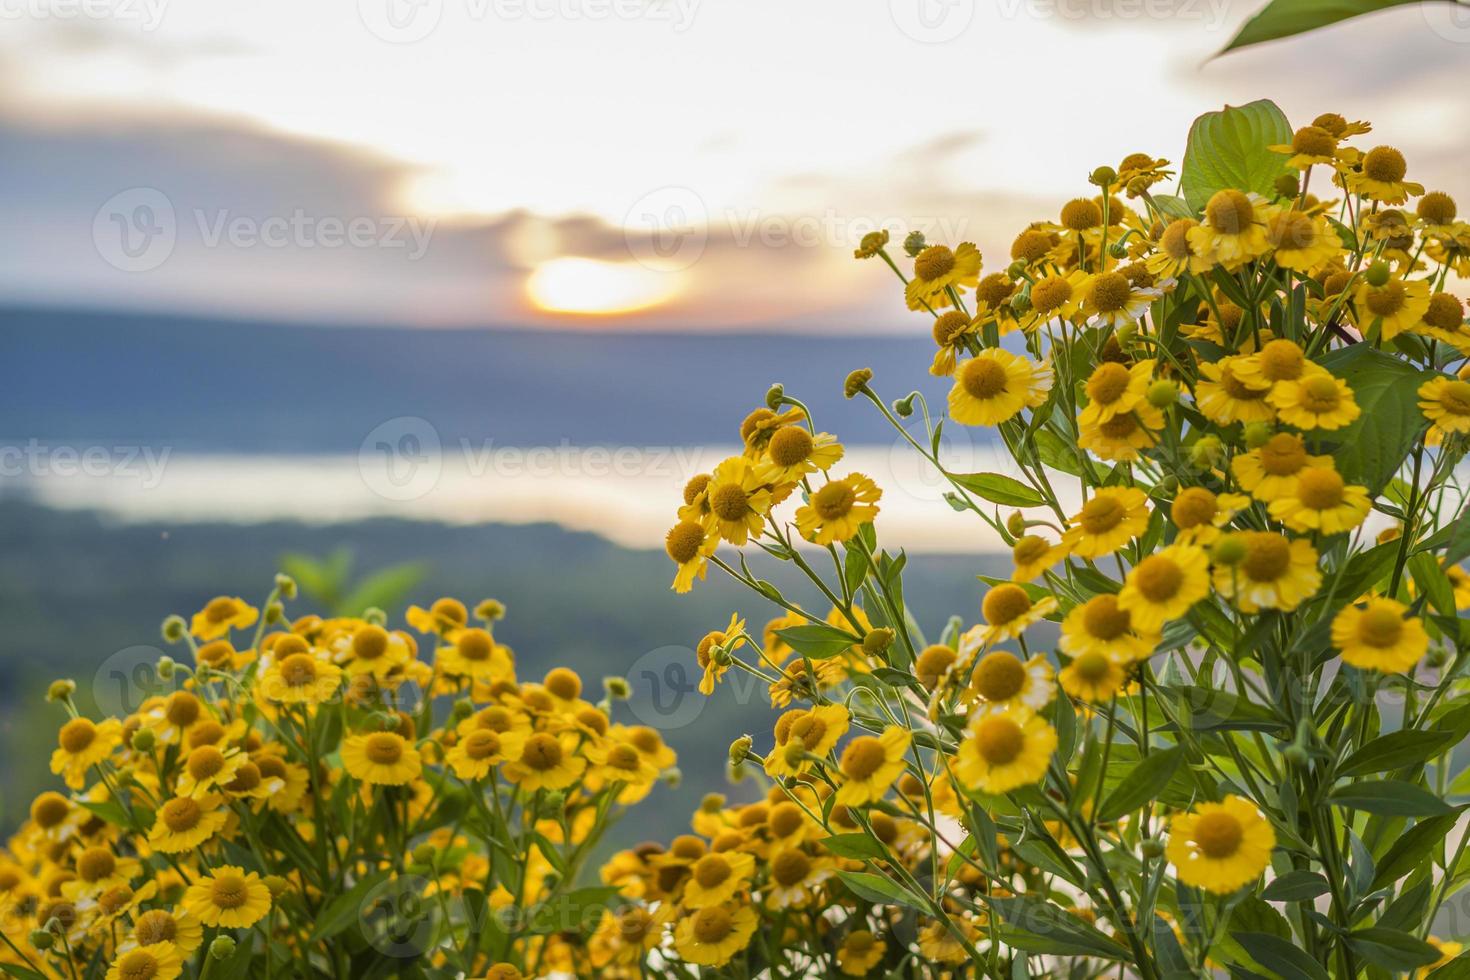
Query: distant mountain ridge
[(205, 385)]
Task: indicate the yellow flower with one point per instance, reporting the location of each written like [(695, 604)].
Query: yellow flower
[(443, 616), (1092, 677), (1055, 297), (1460, 582), (1381, 177), (1378, 637), (299, 678), (615, 760), (1001, 681), (1009, 611), (1033, 555), (730, 639), (163, 926), (1274, 574), (546, 762), (793, 452), (1199, 513), (1176, 255), (372, 650), (860, 952), (937, 944), (184, 823), (712, 936), (1232, 233), (738, 501), (1111, 518), (228, 897), (837, 510), (82, 744), (1272, 471), (1123, 437), (1446, 403), (799, 732), (1114, 389), (1316, 401), (381, 758), (1444, 320), (473, 653), (1392, 308), (1302, 242), (716, 878), (995, 385), (870, 764), (1101, 626), (1225, 397), (795, 878), (1111, 299), (1278, 360), (1322, 502), (1220, 847), (954, 332), (209, 767), (936, 270), (1309, 145), (1003, 751), (1164, 585), (481, 750), (1447, 950), (689, 545), (220, 615), (157, 961), (625, 935)]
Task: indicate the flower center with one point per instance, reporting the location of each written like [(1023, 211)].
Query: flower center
[(1000, 740), (1320, 394), (1218, 835), (862, 757), (205, 762), (1445, 312), (95, 864), (475, 645), (1102, 618), (1175, 239), (860, 942), (1230, 212), (219, 610), (1293, 230), (729, 502), (712, 871), (983, 378), (1267, 556), (298, 670), (1028, 548), (384, 748), (1031, 245), (155, 926), (934, 262), (834, 500), (949, 325), (1101, 514), (229, 891), (49, 809), (137, 965), (1386, 164), (115, 899), (683, 541), (1159, 578), (1050, 293), (791, 445), (564, 683), (1193, 507), (712, 924), (1320, 488), (1386, 300), (790, 868), (1081, 214), (181, 814), (76, 735), (1380, 627), (999, 676), (543, 752), (1282, 360), (1455, 397), (1313, 141), (695, 487), (1119, 426), (370, 643), (481, 744), (1005, 603), (1283, 455), (247, 778), (809, 730), (494, 718), (785, 819), (1110, 292), (623, 757), (183, 709), (1108, 383), (1238, 389), (1092, 667)]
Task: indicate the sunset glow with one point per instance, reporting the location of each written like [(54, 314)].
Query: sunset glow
[(594, 287)]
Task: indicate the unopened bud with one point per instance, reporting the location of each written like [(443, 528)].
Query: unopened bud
[(617, 688), (1016, 523), (914, 244), (1125, 333), (1296, 755), (1118, 250), (1163, 393), (174, 629), (144, 739), (904, 407), (463, 708), (166, 667), (490, 610), (1287, 185), (274, 613), (1021, 304), (712, 803), (1016, 270), (740, 749), (375, 616), (222, 948), (1103, 177), (877, 642), (1151, 848), (277, 885), (1229, 550), (857, 382), (425, 853), (286, 585), (1206, 453), (774, 394), (1257, 434), (61, 690), (1377, 274), (673, 776), (42, 940)]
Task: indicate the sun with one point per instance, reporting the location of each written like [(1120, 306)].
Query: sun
[(595, 287)]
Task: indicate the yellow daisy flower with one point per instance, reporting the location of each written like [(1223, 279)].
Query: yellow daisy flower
[(616, 761), (689, 545), (481, 750), (1199, 513), (738, 500), (1309, 146), (1377, 636), (716, 878), (546, 762), (157, 961), (1317, 401), (372, 650), (860, 952), (1033, 555), (936, 270), (1176, 255), (1101, 626), (1225, 397), (796, 878), (228, 897), (164, 926), (954, 333), (1448, 951), (1002, 681), (82, 744), (1009, 611), (222, 614), (870, 764), (1460, 582), (209, 767), (381, 758), (793, 452), (1111, 299), (1396, 306), (1111, 518), (1114, 389), (1220, 847), (1446, 403), (1302, 242), (1278, 360), (800, 732), (731, 638), (443, 615), (1164, 585), (1055, 297), (300, 678), (1233, 232), (1275, 573), (995, 385), (183, 823), (1444, 320), (1322, 502), (1380, 177), (1272, 470), (473, 653), (1122, 438), (712, 936), (1092, 677), (1003, 751), (839, 509)]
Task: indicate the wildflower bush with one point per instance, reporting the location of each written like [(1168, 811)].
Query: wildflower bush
[(1207, 723), (323, 801)]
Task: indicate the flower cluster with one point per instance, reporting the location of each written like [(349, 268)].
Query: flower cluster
[(1235, 528), (288, 804)]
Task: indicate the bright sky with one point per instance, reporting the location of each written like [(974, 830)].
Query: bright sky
[(548, 147)]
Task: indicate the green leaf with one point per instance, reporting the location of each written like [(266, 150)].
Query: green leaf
[(1390, 797), (1064, 933), (1144, 783), (1386, 389), (1284, 18), (859, 847), (1392, 949), (1296, 886), (1281, 957), (345, 909), (1228, 149), (816, 640), (1433, 582), (1395, 750), (1409, 850), (1456, 969), (383, 590), (999, 489), (879, 890), (578, 910)]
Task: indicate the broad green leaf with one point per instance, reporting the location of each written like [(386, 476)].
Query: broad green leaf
[(1433, 582), (1282, 957), (1284, 18), (999, 489), (1142, 784), (1392, 949), (1386, 389), (1395, 750), (1390, 797), (1228, 149), (859, 847), (816, 640), (1296, 886), (878, 889)]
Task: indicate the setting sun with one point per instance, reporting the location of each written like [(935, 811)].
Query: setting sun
[(592, 286)]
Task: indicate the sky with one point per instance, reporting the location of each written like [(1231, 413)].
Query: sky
[(617, 164)]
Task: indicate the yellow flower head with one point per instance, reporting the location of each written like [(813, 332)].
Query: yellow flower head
[(838, 509), (481, 750), (1101, 626), (1377, 636), (995, 385), (1272, 470), (228, 897), (1323, 501), (381, 758), (1275, 573), (1220, 847), (713, 935), (1009, 611), (810, 732), (738, 500), (1111, 518), (222, 614), (1233, 232), (689, 545), (716, 878), (1002, 681), (870, 764), (1392, 308), (547, 762), (937, 270), (156, 961), (860, 952), (1164, 585), (794, 452), (1315, 401), (1199, 513), (1114, 389), (1380, 177), (1033, 555), (1446, 403), (473, 653), (1092, 677), (183, 823), (82, 744), (1225, 397), (1002, 751), (729, 639)]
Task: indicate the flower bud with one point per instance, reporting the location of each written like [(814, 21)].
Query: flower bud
[(1206, 453), (774, 394), (462, 709), (1125, 333), (877, 642), (166, 667), (673, 776), (1296, 755), (286, 585), (914, 244), (617, 688), (1287, 185), (1168, 483), (222, 948), (1118, 250), (904, 407), (554, 801), (61, 690), (42, 940), (1137, 186), (857, 382), (1021, 304), (174, 629), (721, 656), (144, 740), (1103, 177), (1016, 523), (712, 802), (278, 886), (793, 753), (425, 853), (374, 615), (490, 610), (1257, 434), (1377, 274), (1151, 848), (1229, 550), (740, 749), (1162, 393)]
